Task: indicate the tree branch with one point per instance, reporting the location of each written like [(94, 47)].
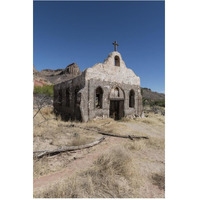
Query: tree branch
[(68, 148)]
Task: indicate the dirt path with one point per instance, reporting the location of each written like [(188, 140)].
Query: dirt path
[(76, 165)]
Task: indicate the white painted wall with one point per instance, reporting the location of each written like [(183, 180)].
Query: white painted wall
[(107, 71)]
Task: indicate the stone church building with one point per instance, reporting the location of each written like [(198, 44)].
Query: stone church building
[(107, 89)]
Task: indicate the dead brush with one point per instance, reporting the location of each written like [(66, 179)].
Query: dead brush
[(114, 175), (47, 111), (119, 160)]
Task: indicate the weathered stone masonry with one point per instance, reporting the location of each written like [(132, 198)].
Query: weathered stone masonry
[(107, 89)]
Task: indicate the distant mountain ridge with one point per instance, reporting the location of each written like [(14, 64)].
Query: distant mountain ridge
[(150, 95), (51, 77)]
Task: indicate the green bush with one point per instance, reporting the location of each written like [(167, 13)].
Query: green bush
[(160, 103), (45, 89)]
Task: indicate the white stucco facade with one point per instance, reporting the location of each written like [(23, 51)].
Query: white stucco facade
[(107, 71)]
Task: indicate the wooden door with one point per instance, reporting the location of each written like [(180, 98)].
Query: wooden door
[(121, 109), (116, 109)]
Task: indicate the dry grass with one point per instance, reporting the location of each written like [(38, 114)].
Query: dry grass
[(154, 142), (125, 119), (110, 126), (114, 175), (47, 165), (136, 145), (147, 121), (41, 167), (47, 111), (127, 170), (57, 132), (79, 139), (53, 134)]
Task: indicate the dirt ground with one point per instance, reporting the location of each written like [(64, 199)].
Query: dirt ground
[(117, 167)]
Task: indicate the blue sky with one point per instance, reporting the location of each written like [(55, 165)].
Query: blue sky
[(83, 32)]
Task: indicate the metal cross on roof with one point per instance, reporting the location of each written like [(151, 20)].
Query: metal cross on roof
[(115, 45)]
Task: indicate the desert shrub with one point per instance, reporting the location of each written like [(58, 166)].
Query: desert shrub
[(45, 89), (152, 103), (118, 162), (160, 103), (145, 102)]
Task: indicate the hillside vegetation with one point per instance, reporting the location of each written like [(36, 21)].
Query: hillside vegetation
[(152, 98), (45, 89)]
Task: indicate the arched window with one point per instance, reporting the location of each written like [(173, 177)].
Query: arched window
[(132, 99), (67, 98), (99, 98), (60, 97), (76, 99), (117, 61), (116, 91)]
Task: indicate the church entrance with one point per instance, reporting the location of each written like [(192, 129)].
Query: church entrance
[(117, 109), (116, 103)]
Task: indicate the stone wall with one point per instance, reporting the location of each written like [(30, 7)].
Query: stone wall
[(82, 91), (107, 87), (69, 110), (87, 95)]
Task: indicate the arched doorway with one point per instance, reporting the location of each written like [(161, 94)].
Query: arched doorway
[(116, 103)]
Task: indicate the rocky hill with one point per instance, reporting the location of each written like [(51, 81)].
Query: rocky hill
[(49, 76), (153, 99), (150, 95)]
